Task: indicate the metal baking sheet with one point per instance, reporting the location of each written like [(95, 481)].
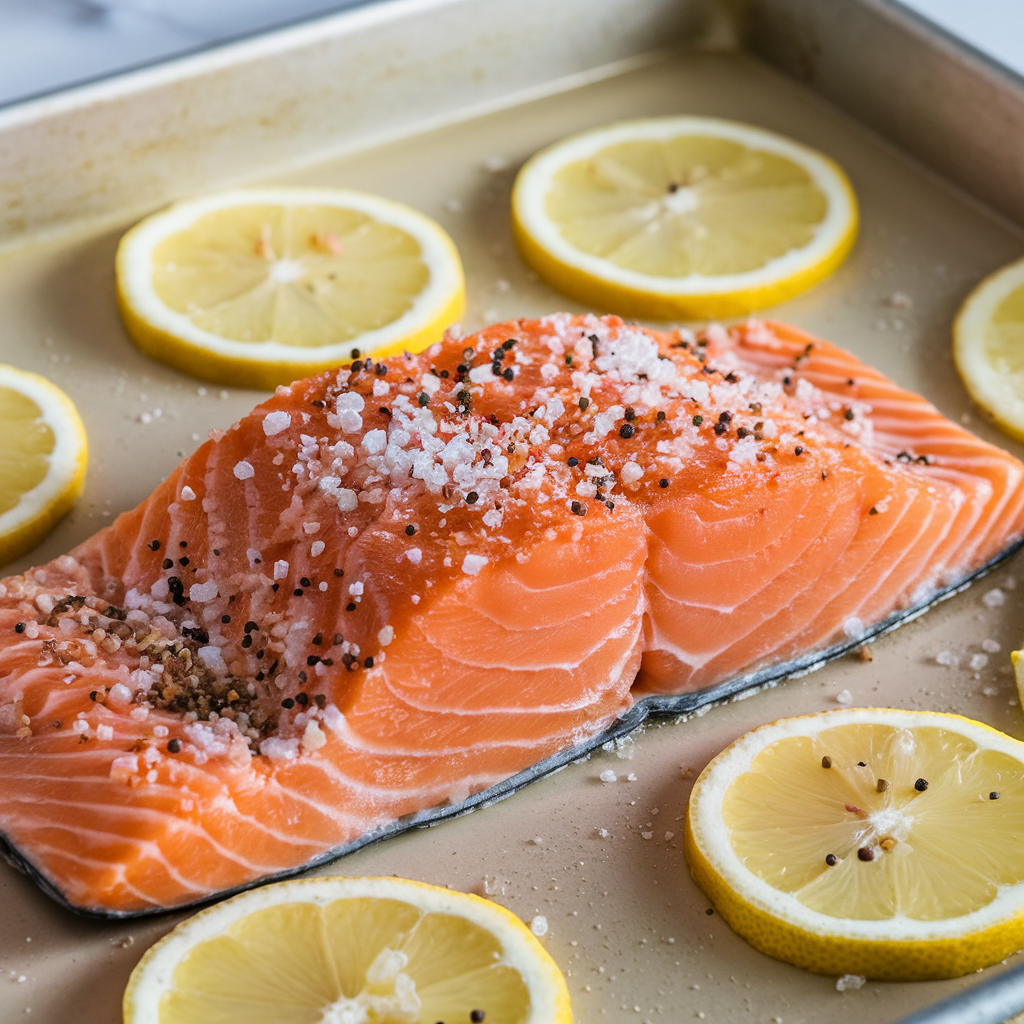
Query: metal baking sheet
[(626, 921)]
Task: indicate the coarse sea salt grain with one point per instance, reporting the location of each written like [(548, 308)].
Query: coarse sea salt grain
[(844, 697), (631, 472), (472, 564), (104, 732), (850, 982), (317, 548), (947, 658), (243, 470), (992, 646), (539, 925), (386, 635), (995, 598), (608, 775), (280, 569), (977, 662), (275, 422), (202, 592), (187, 494)]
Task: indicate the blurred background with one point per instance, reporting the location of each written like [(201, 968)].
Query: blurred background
[(49, 44)]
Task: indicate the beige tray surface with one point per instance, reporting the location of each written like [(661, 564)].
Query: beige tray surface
[(626, 921)]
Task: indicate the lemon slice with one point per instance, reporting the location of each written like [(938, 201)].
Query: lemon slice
[(259, 287), (42, 459), (682, 217), (902, 860), (988, 346), (349, 950)]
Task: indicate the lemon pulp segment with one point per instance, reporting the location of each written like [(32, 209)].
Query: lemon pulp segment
[(42, 459), (258, 287), (28, 445), (988, 347), (901, 859), (332, 951), (682, 217)]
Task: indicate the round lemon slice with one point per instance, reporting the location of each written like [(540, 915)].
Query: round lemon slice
[(42, 459), (682, 217), (341, 950), (988, 346), (259, 287), (867, 841)]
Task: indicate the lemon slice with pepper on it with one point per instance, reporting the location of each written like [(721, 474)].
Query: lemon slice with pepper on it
[(682, 217), (867, 841), (336, 950), (42, 459), (259, 287)]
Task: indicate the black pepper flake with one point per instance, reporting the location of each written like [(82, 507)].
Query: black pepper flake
[(355, 353), (610, 505), (410, 530), (849, 414), (506, 345), (627, 430), (578, 508), (798, 450), (94, 695), (225, 619), (19, 627), (568, 360), (320, 701), (831, 860), (318, 639), (872, 511), (630, 413), (710, 911), (743, 432), (476, 1016), (721, 428), (183, 561), (826, 762), (573, 461), (465, 400), (498, 354), (471, 498), (316, 403), (660, 417), (153, 545), (357, 366), (921, 785), (698, 420), (302, 698), (182, 543), (247, 641), (297, 592), (275, 587), (260, 677), (380, 369), (663, 482), (993, 795), (497, 370), (787, 380), (337, 639), (339, 572), (167, 564), (305, 581), (865, 853), (302, 679), (368, 663), (584, 402), (423, 398), (312, 659), (731, 377), (174, 746), (462, 368), (385, 411), (251, 627), (350, 607), (509, 375), (287, 703)]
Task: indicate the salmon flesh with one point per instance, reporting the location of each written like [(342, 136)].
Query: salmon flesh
[(404, 588)]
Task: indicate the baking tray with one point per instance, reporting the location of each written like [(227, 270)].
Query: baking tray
[(436, 104)]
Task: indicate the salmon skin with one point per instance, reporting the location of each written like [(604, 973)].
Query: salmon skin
[(405, 588)]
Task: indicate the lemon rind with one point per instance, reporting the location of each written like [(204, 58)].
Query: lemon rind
[(173, 338), (779, 925), (598, 282), (154, 974), (984, 383), (40, 509)]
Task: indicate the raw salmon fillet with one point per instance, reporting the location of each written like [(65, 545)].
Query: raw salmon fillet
[(393, 586)]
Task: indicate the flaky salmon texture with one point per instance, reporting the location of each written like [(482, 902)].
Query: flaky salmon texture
[(392, 586)]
